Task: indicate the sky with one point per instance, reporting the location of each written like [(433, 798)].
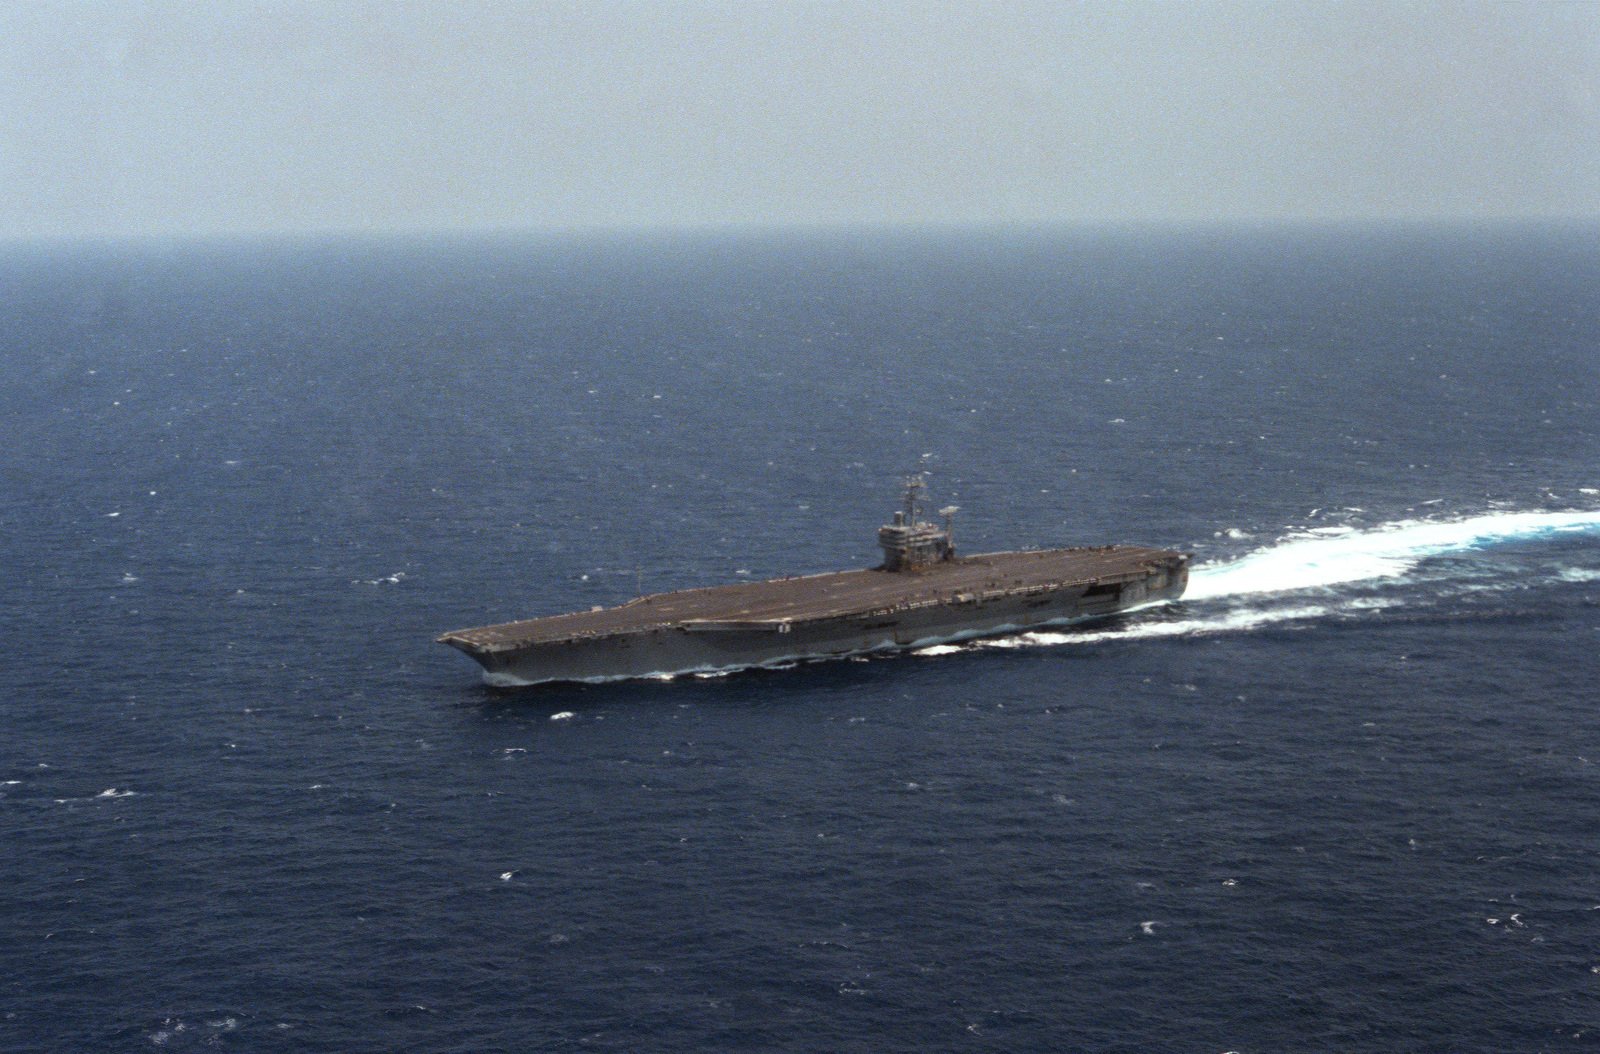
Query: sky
[(127, 118)]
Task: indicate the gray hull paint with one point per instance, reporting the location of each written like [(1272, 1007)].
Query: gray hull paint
[(669, 650)]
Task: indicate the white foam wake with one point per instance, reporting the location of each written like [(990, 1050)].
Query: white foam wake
[(1333, 556), (1236, 595), (1231, 622)]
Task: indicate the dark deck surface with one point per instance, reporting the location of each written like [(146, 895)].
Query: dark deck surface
[(829, 595)]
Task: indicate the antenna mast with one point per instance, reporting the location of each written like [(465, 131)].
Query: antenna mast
[(913, 485)]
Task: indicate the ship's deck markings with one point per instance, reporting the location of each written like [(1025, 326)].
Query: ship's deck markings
[(832, 595)]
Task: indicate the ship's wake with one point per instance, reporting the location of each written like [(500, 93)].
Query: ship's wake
[(1346, 571), (1336, 556)]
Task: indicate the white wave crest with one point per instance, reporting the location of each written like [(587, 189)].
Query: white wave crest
[(1331, 556)]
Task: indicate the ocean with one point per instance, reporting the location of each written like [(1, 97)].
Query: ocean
[(1344, 796)]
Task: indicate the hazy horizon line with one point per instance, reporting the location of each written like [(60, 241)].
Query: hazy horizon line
[(580, 232)]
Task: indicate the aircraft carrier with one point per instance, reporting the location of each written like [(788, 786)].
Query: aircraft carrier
[(922, 594)]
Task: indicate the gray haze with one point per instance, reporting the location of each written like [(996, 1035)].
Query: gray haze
[(192, 118)]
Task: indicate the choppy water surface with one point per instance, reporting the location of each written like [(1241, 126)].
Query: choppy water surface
[(1344, 796)]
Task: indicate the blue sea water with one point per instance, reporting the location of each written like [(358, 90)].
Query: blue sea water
[(1345, 796)]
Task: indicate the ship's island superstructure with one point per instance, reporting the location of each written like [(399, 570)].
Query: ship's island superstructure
[(922, 594)]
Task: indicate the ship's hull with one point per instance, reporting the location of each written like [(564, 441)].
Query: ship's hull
[(707, 647)]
